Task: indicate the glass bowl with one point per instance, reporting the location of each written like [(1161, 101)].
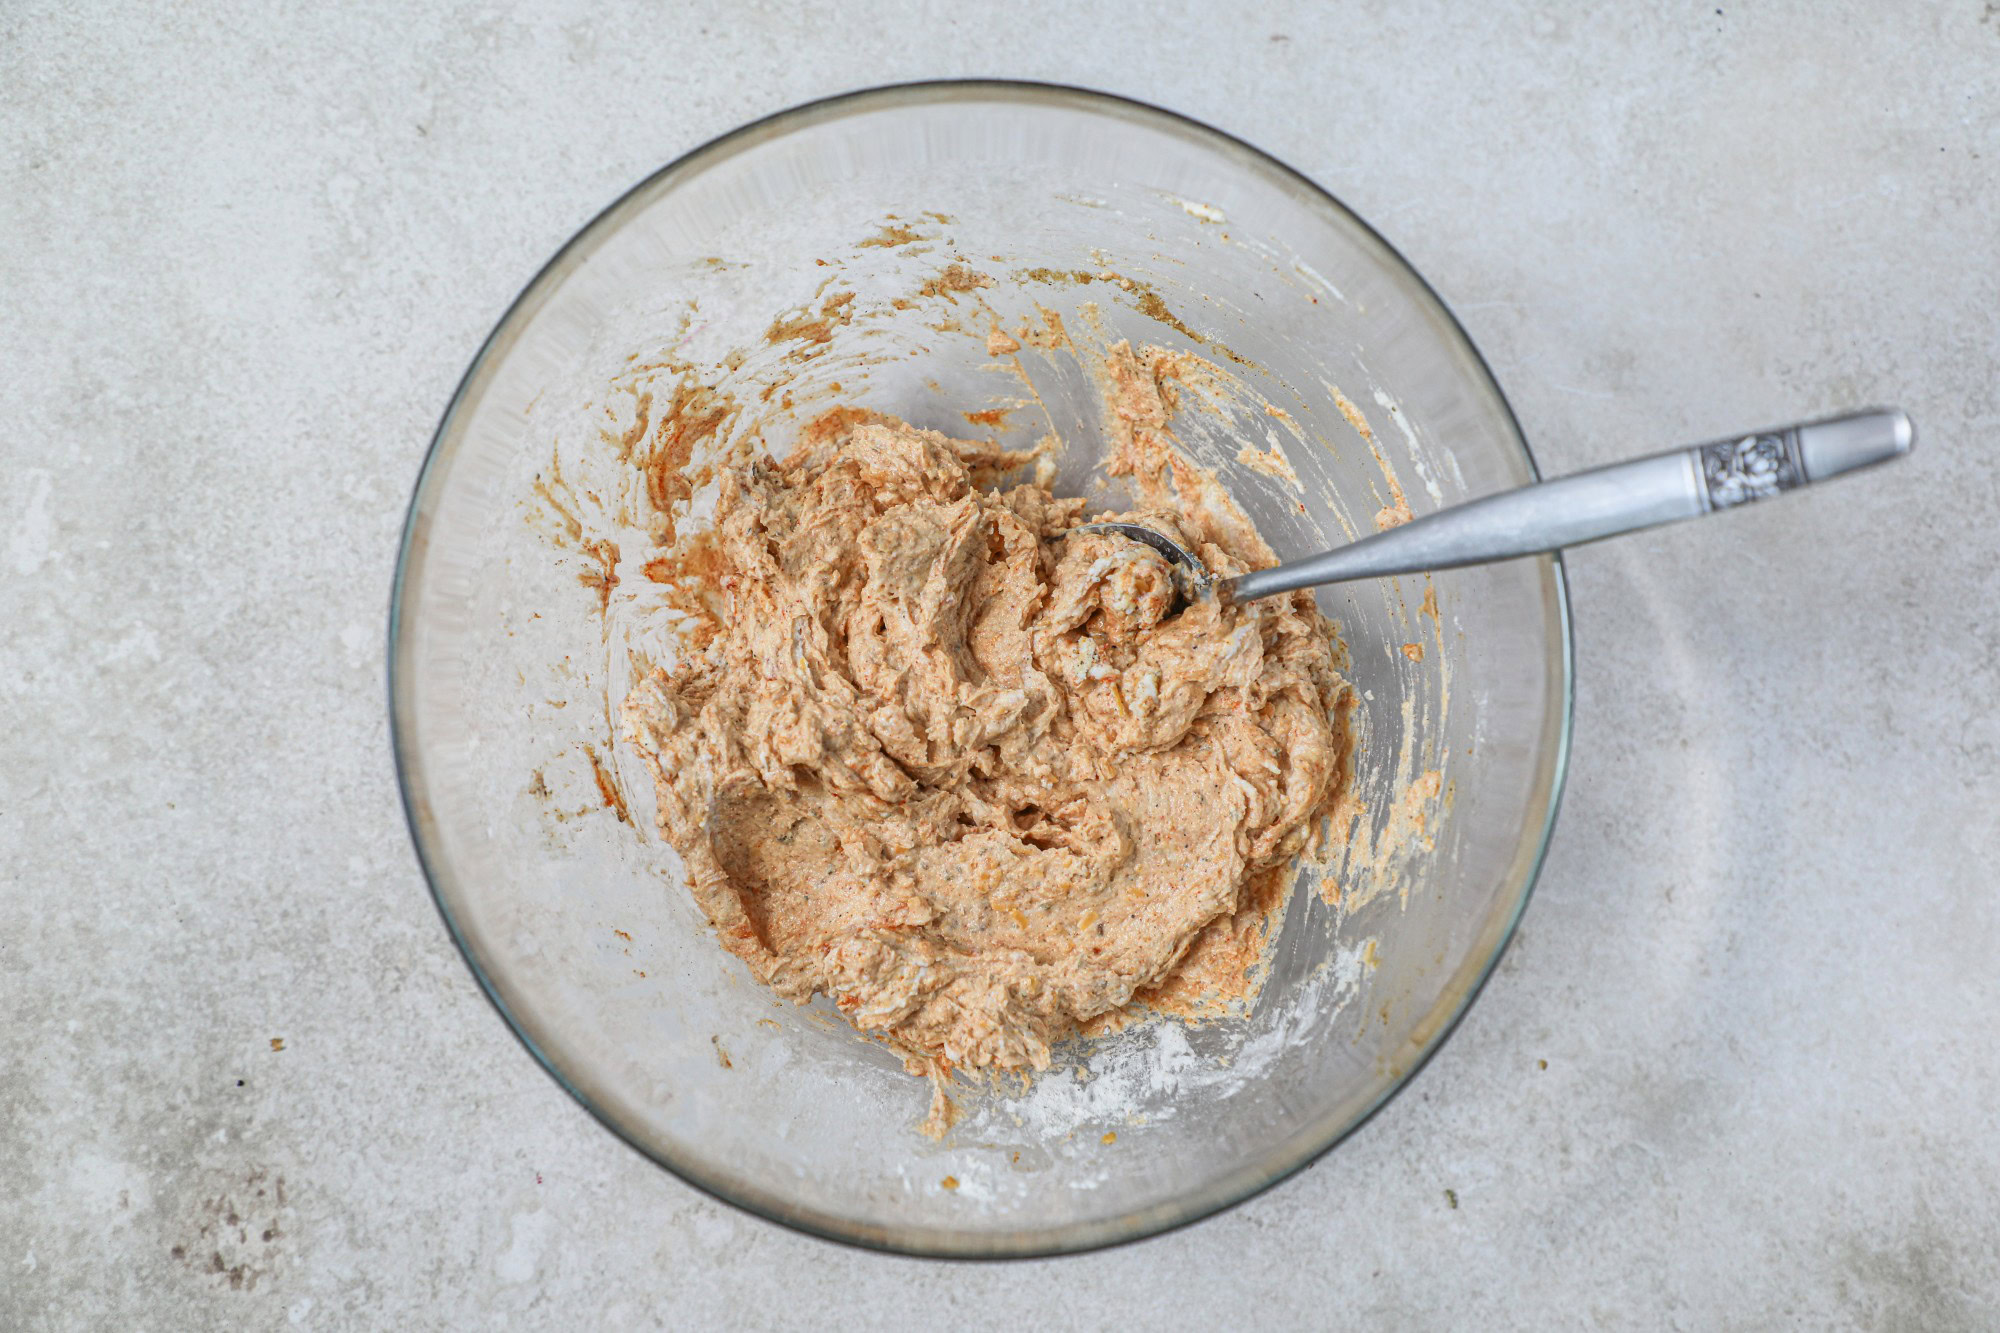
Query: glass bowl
[(1123, 222)]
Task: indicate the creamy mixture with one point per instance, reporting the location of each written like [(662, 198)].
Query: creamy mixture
[(966, 773)]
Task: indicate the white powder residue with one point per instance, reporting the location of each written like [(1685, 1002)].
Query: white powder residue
[(1152, 1072), (1402, 421), (1195, 209), (1318, 279)]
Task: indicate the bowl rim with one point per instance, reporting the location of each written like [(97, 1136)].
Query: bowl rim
[(1064, 1239)]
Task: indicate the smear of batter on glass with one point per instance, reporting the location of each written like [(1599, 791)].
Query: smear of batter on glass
[(969, 773)]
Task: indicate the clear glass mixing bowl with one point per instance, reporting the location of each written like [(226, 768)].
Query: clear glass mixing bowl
[(504, 677)]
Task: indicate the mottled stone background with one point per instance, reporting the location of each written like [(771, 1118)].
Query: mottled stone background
[(246, 252)]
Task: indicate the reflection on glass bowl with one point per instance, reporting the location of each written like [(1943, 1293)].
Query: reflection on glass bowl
[(862, 251)]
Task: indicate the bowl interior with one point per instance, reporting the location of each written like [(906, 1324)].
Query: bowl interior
[(862, 251)]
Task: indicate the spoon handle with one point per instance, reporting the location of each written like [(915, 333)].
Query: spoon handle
[(1603, 502)]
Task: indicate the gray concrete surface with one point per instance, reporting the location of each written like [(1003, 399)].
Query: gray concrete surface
[(245, 254)]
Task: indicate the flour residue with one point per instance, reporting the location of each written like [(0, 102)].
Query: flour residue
[(1155, 1074)]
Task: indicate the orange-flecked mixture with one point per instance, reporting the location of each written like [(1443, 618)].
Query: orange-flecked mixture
[(965, 773)]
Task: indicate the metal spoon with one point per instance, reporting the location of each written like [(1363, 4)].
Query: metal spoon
[(1583, 507)]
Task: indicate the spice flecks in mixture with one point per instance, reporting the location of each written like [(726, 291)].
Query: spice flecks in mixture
[(1353, 415), (1397, 511), (954, 278), (813, 328), (892, 234), (1271, 462), (607, 786), (605, 577), (696, 417), (939, 734)]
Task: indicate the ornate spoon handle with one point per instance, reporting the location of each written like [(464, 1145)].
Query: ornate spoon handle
[(1603, 502)]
